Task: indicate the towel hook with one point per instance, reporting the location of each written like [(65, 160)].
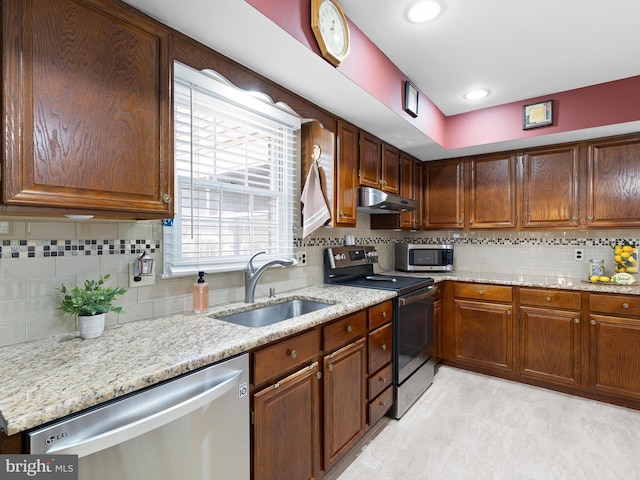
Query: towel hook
[(315, 153)]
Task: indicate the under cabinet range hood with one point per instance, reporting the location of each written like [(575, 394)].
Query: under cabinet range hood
[(372, 200)]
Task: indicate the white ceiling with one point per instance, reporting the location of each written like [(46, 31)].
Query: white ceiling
[(516, 49)]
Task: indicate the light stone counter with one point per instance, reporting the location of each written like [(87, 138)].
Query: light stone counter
[(563, 283), (44, 380)]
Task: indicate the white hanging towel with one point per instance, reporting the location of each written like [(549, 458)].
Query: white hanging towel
[(315, 211)]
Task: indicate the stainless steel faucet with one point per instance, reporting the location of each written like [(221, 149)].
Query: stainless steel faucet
[(251, 275)]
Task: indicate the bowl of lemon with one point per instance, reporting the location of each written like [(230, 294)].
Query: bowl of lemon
[(625, 257)]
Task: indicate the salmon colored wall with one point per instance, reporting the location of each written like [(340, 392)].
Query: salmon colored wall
[(594, 106)]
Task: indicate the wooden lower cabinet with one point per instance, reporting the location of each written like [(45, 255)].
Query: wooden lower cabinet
[(344, 399), (291, 408), (614, 345), (550, 339)]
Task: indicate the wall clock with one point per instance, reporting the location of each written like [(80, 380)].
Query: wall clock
[(331, 30)]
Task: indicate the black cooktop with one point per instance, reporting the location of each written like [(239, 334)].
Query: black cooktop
[(353, 266)]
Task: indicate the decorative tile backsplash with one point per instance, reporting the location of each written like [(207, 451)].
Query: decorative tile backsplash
[(73, 248)]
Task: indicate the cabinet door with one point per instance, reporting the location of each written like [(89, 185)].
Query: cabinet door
[(550, 345), (370, 161), (492, 192), (612, 184), (391, 175), (550, 187), (483, 334), (406, 188), (286, 430), (86, 106), (444, 194), (346, 178), (418, 194), (344, 399), (614, 355)]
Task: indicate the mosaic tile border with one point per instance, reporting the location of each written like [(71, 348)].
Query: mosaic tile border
[(579, 242), (75, 248)]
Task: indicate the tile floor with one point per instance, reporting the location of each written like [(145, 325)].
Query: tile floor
[(471, 426)]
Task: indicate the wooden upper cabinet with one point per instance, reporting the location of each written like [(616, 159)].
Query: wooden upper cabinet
[(492, 191), (391, 170), (550, 187), (370, 161), (346, 178), (444, 194), (86, 108), (613, 187)]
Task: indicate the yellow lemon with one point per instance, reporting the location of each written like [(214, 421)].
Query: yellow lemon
[(618, 259), (632, 260), (604, 279), (625, 254), (632, 269), (594, 278), (618, 250), (627, 248)]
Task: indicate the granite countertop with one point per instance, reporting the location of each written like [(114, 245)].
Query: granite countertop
[(44, 380), (559, 282), (47, 379)]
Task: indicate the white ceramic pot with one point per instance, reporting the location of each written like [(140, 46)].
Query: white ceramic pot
[(91, 326)]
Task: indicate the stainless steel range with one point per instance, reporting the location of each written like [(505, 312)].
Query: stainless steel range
[(413, 367)]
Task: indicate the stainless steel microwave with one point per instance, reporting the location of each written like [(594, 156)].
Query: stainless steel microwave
[(412, 257)]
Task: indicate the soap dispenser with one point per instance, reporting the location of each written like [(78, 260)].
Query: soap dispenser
[(200, 295)]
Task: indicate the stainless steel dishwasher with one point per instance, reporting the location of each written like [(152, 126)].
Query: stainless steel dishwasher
[(193, 427)]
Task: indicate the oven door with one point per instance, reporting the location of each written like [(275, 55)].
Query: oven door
[(413, 335)]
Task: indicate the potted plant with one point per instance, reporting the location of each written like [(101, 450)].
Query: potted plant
[(90, 304)]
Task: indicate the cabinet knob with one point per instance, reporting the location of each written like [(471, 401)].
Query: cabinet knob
[(318, 375), (293, 354), (384, 404), (341, 213), (625, 305), (383, 346), (166, 198), (471, 222), (349, 328), (576, 320), (481, 292), (330, 367), (384, 314), (548, 299), (593, 322), (508, 312), (575, 219), (382, 379), (460, 222), (590, 218)]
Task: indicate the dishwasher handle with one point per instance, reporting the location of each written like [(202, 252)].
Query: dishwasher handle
[(148, 422), (419, 296)]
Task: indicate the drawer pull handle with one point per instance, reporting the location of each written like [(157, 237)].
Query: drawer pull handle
[(383, 346), (481, 292), (593, 322), (293, 354), (625, 305), (349, 328), (548, 299), (576, 320), (330, 367)]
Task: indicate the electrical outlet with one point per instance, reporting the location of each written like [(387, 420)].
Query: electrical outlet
[(140, 280), (578, 254), (301, 257)]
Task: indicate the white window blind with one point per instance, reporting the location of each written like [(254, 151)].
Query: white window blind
[(235, 167)]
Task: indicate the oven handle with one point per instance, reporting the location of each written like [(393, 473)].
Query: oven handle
[(413, 298)]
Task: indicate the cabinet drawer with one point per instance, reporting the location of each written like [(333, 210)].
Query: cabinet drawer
[(380, 380), (616, 304), (550, 298), (380, 314), (380, 347), (380, 406), (284, 356), (480, 291), (345, 330)]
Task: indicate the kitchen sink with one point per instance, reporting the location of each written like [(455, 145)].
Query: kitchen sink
[(270, 314)]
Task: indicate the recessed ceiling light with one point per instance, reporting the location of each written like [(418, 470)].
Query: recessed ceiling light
[(423, 11), (476, 94)]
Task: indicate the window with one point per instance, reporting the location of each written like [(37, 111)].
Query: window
[(235, 158)]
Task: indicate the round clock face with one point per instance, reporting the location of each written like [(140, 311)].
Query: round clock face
[(333, 28)]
